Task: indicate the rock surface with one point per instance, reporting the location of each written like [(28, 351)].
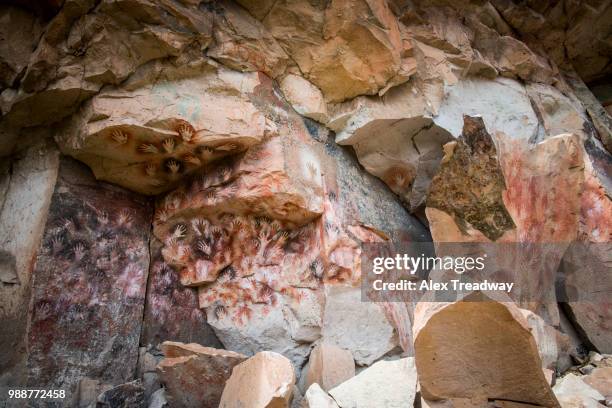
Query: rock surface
[(388, 383), (448, 335), (277, 141), (89, 279), (328, 366), (195, 376), (264, 380)]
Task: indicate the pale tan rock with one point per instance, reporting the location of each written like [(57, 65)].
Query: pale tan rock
[(148, 138), (195, 376), (601, 380), (263, 381), (493, 337), (305, 98), (315, 397), (390, 384), (242, 43), (328, 366), (573, 392), (345, 51)]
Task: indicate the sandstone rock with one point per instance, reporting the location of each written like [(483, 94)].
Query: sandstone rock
[(193, 375), (585, 263), (572, 391), (151, 140), (19, 33), (89, 282), (328, 366), (345, 51), (27, 184), (399, 138), (172, 311), (85, 47), (264, 380), (253, 328), (305, 98), (487, 334), (242, 43), (386, 383), (315, 397), (368, 335), (601, 380)]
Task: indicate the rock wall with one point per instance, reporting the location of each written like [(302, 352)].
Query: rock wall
[(209, 171)]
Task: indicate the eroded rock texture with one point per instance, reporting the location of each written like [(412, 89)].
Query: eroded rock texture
[(243, 152), (89, 279)]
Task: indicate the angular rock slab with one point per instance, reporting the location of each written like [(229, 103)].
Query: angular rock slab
[(315, 397), (88, 289), (358, 326), (573, 392), (389, 384), (478, 349), (193, 375), (470, 182), (147, 136), (263, 381), (328, 366)]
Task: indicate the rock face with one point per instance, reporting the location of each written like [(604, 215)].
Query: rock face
[(273, 143), (26, 188), (89, 279), (388, 383), (194, 376), (264, 380)]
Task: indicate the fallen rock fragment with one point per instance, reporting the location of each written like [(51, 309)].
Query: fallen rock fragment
[(478, 349), (389, 384), (573, 392), (315, 397), (193, 375), (128, 395), (328, 366), (367, 334), (263, 381)]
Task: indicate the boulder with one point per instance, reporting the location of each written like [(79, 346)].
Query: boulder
[(390, 384), (195, 376), (315, 397), (368, 335), (328, 366), (478, 349), (263, 381), (573, 392)]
